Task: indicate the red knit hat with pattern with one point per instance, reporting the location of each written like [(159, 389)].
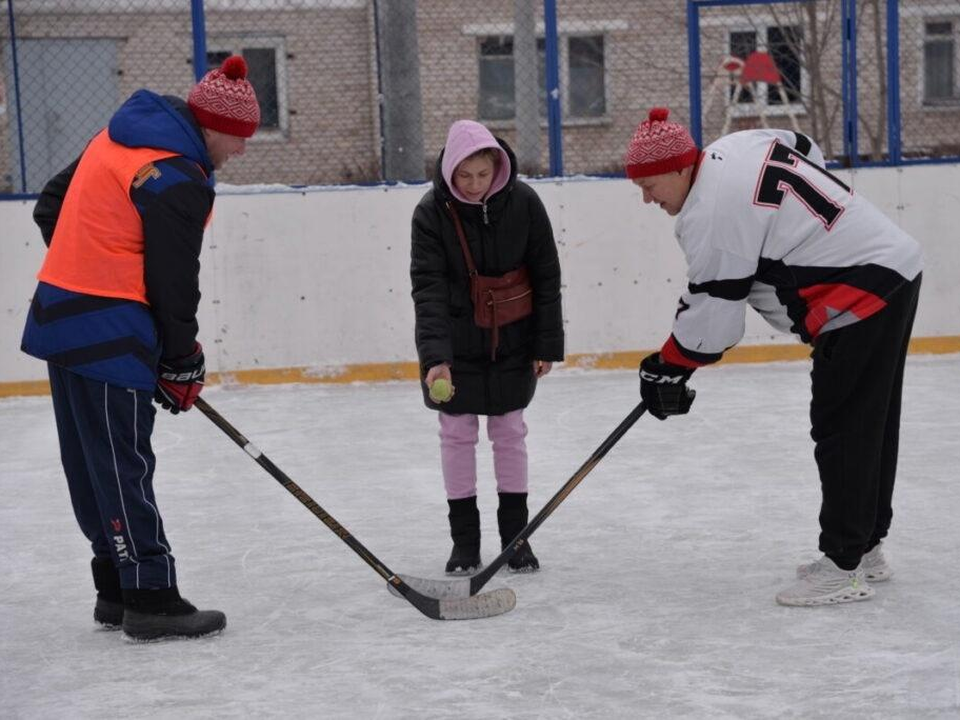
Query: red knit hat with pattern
[(659, 147), (224, 100)]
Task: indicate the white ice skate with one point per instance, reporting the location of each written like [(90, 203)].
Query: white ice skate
[(826, 584), (874, 564)]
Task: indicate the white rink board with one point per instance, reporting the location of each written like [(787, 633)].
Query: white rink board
[(319, 278)]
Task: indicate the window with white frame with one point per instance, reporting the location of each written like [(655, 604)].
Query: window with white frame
[(783, 44), (940, 63), (265, 69), (582, 81)]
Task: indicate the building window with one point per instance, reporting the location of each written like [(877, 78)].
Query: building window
[(264, 71), (741, 45), (783, 44), (939, 64), (582, 77), (496, 78), (587, 94)]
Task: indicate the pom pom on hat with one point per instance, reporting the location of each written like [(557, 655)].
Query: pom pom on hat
[(224, 100), (659, 114), (659, 147), (235, 67)]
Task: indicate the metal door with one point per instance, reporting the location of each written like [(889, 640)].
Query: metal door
[(68, 91)]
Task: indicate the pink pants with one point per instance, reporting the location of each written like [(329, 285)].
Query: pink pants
[(458, 444)]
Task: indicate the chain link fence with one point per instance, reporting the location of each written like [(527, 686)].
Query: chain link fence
[(67, 66), (929, 82), (362, 91), (872, 81)]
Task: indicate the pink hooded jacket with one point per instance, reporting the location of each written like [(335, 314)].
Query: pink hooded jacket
[(464, 139)]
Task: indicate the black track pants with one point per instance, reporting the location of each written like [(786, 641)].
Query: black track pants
[(857, 381), (104, 433)]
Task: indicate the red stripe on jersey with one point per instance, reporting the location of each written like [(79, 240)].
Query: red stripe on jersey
[(826, 301), (670, 353)]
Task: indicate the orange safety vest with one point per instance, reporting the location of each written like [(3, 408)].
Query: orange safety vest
[(97, 246)]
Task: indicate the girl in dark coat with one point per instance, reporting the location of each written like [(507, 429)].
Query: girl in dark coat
[(506, 227)]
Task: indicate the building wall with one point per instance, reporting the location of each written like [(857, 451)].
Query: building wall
[(330, 82), (328, 74)]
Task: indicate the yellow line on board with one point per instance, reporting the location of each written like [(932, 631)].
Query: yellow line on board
[(380, 372)]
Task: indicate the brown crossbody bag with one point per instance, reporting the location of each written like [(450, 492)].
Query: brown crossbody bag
[(497, 301)]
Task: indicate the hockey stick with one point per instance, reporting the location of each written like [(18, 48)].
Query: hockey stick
[(469, 586), (495, 602)]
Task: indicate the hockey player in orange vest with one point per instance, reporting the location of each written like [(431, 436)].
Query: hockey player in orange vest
[(114, 316), (762, 223)]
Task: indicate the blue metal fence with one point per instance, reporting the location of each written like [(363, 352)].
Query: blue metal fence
[(600, 66), (939, 142)]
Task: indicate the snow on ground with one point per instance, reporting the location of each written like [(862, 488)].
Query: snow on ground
[(656, 594)]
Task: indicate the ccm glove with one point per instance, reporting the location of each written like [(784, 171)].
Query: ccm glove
[(663, 387), (180, 380)]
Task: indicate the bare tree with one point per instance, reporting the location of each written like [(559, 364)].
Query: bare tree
[(818, 48)]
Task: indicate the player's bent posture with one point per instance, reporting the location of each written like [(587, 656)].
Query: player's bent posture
[(761, 222), (114, 316)]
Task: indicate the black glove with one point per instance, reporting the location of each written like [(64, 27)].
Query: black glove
[(180, 380), (663, 387)]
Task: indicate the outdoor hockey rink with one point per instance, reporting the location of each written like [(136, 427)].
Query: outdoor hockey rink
[(656, 598)]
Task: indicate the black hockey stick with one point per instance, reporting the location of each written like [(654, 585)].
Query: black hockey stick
[(468, 586), (495, 602)]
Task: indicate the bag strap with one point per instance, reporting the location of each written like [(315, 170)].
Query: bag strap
[(471, 266)]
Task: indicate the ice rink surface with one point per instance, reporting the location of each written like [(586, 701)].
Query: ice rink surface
[(656, 594)]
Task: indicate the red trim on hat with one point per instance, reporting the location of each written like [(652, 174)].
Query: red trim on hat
[(228, 126), (665, 165)]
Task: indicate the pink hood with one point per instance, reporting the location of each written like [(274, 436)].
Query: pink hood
[(463, 140)]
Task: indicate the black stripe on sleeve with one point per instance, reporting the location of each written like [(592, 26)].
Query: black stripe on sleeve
[(803, 144), (736, 289)]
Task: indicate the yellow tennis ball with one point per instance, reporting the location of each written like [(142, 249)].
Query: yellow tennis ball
[(441, 390)]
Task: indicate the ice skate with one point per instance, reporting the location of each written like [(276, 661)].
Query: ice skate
[(826, 584)]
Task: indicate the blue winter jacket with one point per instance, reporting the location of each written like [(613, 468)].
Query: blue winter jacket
[(115, 340)]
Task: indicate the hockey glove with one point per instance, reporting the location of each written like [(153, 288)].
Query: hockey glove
[(180, 380), (663, 387)]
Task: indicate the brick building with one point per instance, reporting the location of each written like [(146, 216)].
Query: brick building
[(315, 65)]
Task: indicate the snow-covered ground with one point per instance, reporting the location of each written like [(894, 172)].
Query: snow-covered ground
[(656, 594)]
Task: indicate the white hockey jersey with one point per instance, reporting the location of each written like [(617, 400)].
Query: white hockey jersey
[(764, 223)]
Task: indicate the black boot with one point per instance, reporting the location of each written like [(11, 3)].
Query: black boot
[(465, 531), (159, 614), (106, 579), (512, 518)]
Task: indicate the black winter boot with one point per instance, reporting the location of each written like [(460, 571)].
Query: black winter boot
[(158, 614), (465, 531), (512, 518), (108, 611)]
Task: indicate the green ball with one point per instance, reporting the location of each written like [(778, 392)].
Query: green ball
[(441, 390)]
